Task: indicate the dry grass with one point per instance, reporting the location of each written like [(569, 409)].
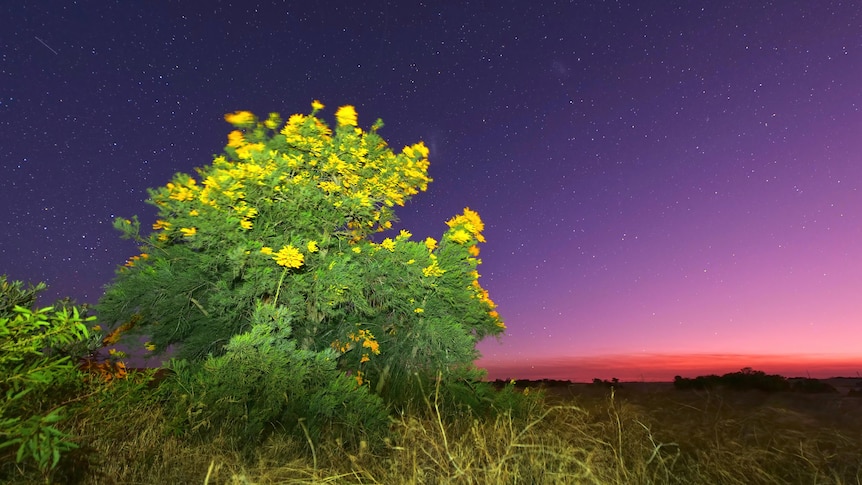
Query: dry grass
[(585, 435)]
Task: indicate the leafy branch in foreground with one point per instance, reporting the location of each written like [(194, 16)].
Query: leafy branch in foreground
[(34, 368)]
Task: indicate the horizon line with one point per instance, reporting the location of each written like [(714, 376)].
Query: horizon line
[(664, 367)]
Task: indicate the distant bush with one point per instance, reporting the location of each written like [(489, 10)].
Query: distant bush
[(748, 379), (607, 383), (813, 386), (744, 380), (698, 383)]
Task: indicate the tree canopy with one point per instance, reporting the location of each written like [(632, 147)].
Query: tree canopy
[(287, 217)]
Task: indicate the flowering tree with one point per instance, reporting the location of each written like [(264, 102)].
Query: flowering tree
[(284, 218)]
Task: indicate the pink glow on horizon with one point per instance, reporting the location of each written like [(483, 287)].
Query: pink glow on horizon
[(663, 367)]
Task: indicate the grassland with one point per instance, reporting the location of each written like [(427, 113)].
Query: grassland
[(572, 433)]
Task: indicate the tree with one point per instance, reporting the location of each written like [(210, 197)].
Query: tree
[(285, 218)]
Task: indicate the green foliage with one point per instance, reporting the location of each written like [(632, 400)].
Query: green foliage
[(13, 293), (263, 382), (285, 216), (34, 371)]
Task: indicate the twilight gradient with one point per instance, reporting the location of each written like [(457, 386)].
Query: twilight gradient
[(668, 187)]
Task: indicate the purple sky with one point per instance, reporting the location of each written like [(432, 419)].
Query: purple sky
[(667, 186)]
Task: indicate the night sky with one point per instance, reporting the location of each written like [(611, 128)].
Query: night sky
[(667, 187)]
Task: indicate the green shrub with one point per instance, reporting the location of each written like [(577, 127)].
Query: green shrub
[(264, 383), (286, 216), (35, 372)]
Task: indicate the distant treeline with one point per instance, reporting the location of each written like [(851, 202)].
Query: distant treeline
[(748, 379), (743, 380)]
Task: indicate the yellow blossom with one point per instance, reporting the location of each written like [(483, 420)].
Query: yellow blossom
[(460, 236), (194, 212), (239, 118), (473, 250), (346, 116), (188, 231), (417, 149), (266, 250), (388, 244), (317, 105), (430, 243), (150, 346), (421, 149), (235, 139), (312, 247), (419, 310), (273, 121), (182, 193), (358, 378), (470, 221), (96, 328), (244, 152), (433, 269), (371, 344), (289, 257), (245, 224), (160, 224), (356, 249)]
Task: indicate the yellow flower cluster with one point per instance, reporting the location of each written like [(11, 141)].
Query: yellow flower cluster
[(467, 224), (161, 224), (388, 244), (240, 118), (134, 259), (182, 193), (434, 268), (482, 295), (273, 122), (289, 257), (307, 134), (355, 170), (235, 139), (346, 116), (459, 236), (368, 344)]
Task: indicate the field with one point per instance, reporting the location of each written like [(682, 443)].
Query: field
[(571, 433)]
